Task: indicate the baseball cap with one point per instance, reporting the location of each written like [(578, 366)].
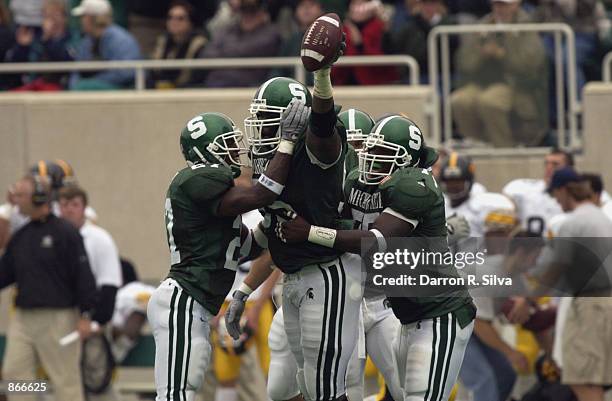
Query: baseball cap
[(92, 7), (562, 177)]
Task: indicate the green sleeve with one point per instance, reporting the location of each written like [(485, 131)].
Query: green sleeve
[(205, 188), (409, 196)]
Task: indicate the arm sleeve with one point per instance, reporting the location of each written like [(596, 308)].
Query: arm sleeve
[(108, 257), (105, 304)]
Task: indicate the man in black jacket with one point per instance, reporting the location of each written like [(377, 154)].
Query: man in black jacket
[(46, 260)]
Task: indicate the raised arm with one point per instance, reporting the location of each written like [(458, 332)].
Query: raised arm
[(241, 199), (322, 141)]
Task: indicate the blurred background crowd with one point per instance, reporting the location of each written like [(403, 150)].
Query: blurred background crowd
[(503, 88)]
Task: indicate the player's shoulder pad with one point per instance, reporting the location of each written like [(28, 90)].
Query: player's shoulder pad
[(407, 192), (208, 180)]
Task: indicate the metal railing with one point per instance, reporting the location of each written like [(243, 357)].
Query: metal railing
[(142, 66), (441, 33), (606, 67)]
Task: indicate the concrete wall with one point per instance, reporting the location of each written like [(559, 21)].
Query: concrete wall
[(597, 137), (124, 148)]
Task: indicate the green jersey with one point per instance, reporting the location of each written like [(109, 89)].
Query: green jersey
[(413, 194), (204, 247), (315, 194)]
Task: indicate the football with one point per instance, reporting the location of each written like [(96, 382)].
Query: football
[(320, 42)]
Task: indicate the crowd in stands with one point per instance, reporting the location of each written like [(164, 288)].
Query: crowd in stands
[(501, 82), (63, 30)]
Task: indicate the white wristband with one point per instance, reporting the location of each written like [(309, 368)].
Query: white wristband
[(322, 84), (245, 289), (382, 243), (322, 236), (271, 184), (286, 147)]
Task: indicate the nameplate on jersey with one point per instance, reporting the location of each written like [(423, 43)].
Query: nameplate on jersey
[(365, 201)]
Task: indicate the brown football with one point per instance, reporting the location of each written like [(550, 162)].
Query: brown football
[(320, 42)]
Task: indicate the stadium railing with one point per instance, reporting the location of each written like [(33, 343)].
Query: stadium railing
[(606, 67), (567, 117), (142, 66)]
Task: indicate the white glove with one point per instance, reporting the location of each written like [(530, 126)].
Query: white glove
[(233, 314), (294, 120)]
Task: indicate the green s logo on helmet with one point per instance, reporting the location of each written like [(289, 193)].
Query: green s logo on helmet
[(266, 109), (395, 142), (213, 138)]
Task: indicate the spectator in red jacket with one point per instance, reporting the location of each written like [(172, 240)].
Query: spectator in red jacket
[(364, 28)]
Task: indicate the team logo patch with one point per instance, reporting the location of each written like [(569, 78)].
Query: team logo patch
[(46, 242), (310, 293)]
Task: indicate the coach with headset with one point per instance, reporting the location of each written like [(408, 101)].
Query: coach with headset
[(46, 260)]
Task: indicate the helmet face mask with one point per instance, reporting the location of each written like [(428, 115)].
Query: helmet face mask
[(229, 148), (456, 188), (212, 138), (379, 159), (356, 137), (265, 111), (262, 128), (395, 143), (358, 126)]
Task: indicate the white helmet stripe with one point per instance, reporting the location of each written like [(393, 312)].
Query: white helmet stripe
[(264, 86), (383, 122), (351, 119)]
